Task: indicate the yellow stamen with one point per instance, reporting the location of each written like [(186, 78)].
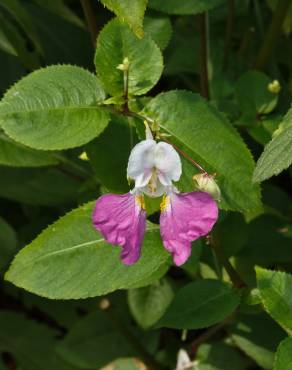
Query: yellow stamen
[(165, 202), (140, 201), (153, 181)]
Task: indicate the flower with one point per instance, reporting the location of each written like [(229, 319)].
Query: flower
[(185, 217)]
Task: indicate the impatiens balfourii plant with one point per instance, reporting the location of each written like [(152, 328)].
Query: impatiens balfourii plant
[(184, 217), (124, 213)]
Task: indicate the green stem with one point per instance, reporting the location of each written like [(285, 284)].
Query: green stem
[(90, 19), (232, 273), (228, 33), (203, 56), (272, 33)]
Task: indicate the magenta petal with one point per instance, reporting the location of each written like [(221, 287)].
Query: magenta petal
[(122, 221), (186, 217)]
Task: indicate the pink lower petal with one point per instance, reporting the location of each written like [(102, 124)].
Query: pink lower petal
[(184, 218), (122, 221)]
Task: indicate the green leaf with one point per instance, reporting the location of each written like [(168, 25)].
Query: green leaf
[(47, 187), (8, 243), (62, 10), (126, 364), (203, 132), (54, 108), (184, 7), (115, 43), (35, 351), (129, 11), (249, 334), (148, 304), (277, 155), (283, 358), (109, 154), (70, 259), (18, 155), (158, 27), (275, 290), (200, 304), (16, 9), (253, 95)]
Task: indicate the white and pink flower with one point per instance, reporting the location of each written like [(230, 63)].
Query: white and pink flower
[(185, 217)]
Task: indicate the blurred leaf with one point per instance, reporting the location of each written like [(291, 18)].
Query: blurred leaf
[(184, 7), (16, 9), (5, 43), (47, 187), (17, 155), (70, 260), (250, 335), (32, 344), (109, 154), (8, 243), (117, 42), (59, 103), (220, 356), (275, 290), (200, 304), (126, 364), (283, 357), (129, 11), (148, 304), (252, 94), (158, 27), (277, 155), (62, 10), (204, 133)]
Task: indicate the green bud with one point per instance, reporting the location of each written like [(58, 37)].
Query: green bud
[(205, 182)]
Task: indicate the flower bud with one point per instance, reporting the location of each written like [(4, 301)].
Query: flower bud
[(125, 65), (274, 87), (205, 182)]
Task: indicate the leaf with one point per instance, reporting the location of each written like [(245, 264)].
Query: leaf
[(253, 95), (117, 42), (109, 154), (148, 304), (283, 358), (158, 27), (18, 155), (23, 18), (8, 243), (200, 304), (62, 10), (275, 290), (129, 11), (277, 155), (47, 187), (183, 7), (204, 132), (249, 334), (35, 351), (70, 259), (54, 108)]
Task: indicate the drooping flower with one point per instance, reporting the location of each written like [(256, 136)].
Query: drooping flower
[(184, 218)]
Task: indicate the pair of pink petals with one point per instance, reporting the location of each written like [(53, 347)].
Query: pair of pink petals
[(185, 217)]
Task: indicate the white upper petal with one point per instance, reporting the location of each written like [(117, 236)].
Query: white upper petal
[(167, 163), (141, 161)]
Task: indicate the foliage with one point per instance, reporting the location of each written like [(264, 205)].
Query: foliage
[(213, 79)]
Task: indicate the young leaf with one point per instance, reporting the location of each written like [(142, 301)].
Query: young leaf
[(129, 11), (275, 290), (148, 304), (54, 108), (283, 358), (277, 155), (204, 132), (18, 155), (200, 304), (184, 7), (117, 42), (70, 259)]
